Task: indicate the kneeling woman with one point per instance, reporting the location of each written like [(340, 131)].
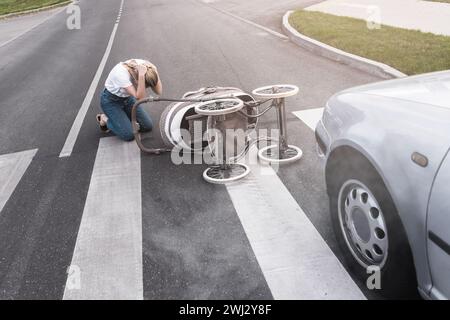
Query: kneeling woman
[(127, 82)]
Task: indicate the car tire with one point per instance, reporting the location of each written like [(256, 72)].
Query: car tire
[(398, 277)]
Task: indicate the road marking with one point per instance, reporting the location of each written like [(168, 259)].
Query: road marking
[(295, 260), (76, 126), (12, 168), (107, 260), (33, 27), (272, 32), (310, 117)]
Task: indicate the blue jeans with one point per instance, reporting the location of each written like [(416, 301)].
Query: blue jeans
[(118, 111)]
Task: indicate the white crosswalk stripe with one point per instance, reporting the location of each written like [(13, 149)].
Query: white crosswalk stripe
[(295, 260), (310, 116), (107, 261), (12, 168)]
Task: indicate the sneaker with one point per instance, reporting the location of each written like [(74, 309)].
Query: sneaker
[(102, 122)]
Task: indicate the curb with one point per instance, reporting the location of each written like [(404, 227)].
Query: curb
[(355, 61), (21, 13)]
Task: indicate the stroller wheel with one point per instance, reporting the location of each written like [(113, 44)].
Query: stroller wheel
[(219, 107), (272, 154), (226, 173), (276, 91)]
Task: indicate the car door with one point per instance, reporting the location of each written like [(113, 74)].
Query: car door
[(439, 232)]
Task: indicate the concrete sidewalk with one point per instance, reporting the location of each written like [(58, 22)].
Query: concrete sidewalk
[(425, 16), (13, 27)]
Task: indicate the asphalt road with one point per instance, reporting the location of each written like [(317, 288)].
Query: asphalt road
[(264, 12), (193, 243)]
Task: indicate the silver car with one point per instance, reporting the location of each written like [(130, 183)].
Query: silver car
[(386, 147)]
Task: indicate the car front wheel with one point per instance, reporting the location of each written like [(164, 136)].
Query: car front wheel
[(370, 232)]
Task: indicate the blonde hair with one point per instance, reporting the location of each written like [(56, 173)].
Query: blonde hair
[(151, 76)]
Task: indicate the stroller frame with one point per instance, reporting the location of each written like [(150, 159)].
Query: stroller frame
[(227, 169)]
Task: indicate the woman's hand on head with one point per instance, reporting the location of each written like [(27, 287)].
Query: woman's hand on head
[(141, 69)]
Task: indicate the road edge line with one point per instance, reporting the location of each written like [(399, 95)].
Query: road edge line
[(32, 28), (272, 32)]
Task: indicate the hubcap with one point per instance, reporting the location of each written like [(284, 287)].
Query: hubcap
[(362, 224)]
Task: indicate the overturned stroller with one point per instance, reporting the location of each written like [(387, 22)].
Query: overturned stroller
[(220, 120)]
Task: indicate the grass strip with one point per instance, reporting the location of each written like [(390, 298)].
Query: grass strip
[(410, 51), (16, 6)]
